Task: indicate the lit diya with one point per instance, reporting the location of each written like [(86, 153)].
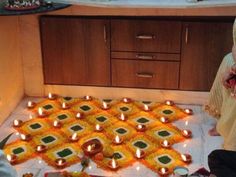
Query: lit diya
[(141, 127), (41, 148), (64, 106), (24, 137), (187, 158), (92, 147), (163, 171), (74, 137), (146, 108), (12, 158), (31, 104), (57, 124), (139, 154), (188, 111), (105, 106), (41, 113), (17, 123), (28, 174), (164, 120), (187, 133), (60, 162), (126, 100), (88, 98), (117, 140), (122, 117), (98, 128), (169, 103), (52, 96), (165, 144), (113, 165), (79, 115)]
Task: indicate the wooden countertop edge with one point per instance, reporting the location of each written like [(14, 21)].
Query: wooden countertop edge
[(118, 11)]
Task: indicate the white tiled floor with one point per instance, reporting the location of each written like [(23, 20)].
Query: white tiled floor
[(199, 146)]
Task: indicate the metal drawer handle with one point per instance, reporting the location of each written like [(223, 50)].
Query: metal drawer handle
[(145, 75), (145, 57), (147, 37)]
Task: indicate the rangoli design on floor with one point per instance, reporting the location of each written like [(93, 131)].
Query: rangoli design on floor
[(63, 124)]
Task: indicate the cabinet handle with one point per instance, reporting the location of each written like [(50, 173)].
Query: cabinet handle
[(186, 35), (145, 57), (146, 37), (145, 75), (105, 33)]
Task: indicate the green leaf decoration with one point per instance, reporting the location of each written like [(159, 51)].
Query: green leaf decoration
[(4, 141)]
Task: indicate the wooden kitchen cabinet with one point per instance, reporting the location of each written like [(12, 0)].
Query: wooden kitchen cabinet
[(204, 44), (76, 51), (182, 53)]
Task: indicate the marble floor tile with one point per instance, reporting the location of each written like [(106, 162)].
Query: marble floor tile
[(199, 146)]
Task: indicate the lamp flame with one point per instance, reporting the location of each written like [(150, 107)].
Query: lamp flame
[(40, 111), (138, 153), (113, 163)]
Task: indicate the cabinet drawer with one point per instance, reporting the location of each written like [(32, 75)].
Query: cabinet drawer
[(145, 74), (145, 56), (145, 36)]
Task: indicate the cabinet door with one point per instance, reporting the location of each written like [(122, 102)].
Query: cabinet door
[(203, 47), (75, 51)]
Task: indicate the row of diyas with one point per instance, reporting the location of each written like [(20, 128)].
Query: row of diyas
[(140, 127), (105, 106)]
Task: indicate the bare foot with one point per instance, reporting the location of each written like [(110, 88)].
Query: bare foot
[(213, 132)]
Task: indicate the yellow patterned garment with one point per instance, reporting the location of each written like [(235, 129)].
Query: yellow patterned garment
[(223, 106)]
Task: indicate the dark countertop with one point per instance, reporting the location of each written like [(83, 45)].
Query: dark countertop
[(41, 9)]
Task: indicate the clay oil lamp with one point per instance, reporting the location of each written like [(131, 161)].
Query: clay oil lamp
[(31, 104), (28, 174), (24, 137), (187, 133), (165, 144), (122, 117), (126, 100), (92, 147), (79, 115), (139, 154), (187, 158), (164, 120), (41, 148), (105, 106), (169, 103), (188, 111), (52, 96), (113, 165), (98, 128), (74, 137), (57, 124), (41, 113), (163, 171), (64, 106), (117, 140), (88, 98), (17, 123), (12, 158), (60, 163), (141, 128), (146, 108)]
